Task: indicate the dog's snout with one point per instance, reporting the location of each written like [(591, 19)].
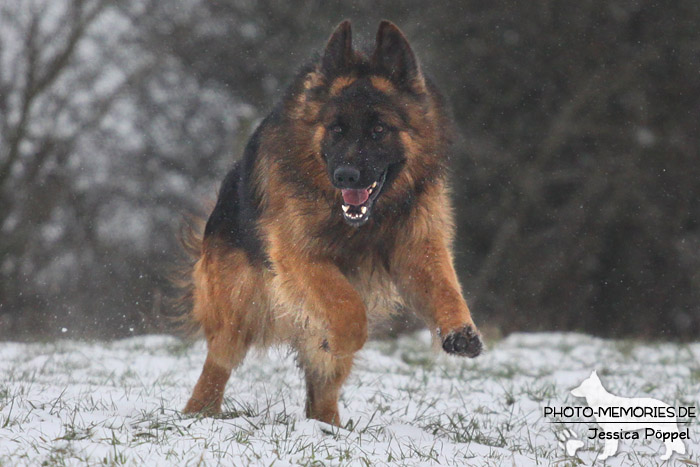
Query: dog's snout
[(346, 177)]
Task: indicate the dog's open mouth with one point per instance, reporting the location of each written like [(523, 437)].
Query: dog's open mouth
[(357, 203)]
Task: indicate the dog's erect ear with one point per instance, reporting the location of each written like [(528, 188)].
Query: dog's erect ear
[(394, 57), (338, 54), (594, 375)]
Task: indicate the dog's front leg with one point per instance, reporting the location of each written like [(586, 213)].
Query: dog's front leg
[(330, 300), (425, 276), (338, 312)]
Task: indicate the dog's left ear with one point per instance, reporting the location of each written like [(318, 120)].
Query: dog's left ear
[(394, 58)]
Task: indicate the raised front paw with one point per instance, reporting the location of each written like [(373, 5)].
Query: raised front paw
[(464, 342)]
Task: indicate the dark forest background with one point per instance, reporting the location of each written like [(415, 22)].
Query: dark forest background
[(576, 176)]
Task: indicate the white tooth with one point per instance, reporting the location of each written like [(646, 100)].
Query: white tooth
[(363, 209), (345, 208), (370, 191), (374, 185)]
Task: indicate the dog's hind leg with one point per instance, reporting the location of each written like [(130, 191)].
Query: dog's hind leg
[(224, 293), (225, 353), (208, 393)]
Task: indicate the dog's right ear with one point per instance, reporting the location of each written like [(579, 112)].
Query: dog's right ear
[(338, 55)]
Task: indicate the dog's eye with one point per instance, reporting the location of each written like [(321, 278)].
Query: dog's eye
[(337, 129), (378, 130)]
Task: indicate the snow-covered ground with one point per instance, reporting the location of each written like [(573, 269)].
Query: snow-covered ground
[(72, 403)]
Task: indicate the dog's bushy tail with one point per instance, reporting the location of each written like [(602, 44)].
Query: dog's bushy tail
[(190, 237)]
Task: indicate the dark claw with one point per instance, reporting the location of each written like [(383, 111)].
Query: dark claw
[(465, 342)]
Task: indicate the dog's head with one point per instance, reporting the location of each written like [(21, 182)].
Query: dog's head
[(374, 123), (590, 386)]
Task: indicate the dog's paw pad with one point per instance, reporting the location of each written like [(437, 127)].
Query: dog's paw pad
[(569, 442), (465, 342)]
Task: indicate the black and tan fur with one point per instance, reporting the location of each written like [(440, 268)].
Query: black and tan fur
[(281, 263)]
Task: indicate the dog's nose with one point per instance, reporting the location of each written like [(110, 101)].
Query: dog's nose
[(346, 177)]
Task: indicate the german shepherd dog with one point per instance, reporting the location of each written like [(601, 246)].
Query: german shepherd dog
[(337, 212)]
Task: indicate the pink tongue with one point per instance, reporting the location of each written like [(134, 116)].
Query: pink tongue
[(355, 197)]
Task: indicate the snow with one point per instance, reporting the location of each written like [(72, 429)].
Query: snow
[(72, 403)]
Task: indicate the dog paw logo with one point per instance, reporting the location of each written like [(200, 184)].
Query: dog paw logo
[(569, 442)]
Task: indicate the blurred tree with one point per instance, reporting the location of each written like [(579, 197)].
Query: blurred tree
[(96, 169), (54, 92), (583, 171)]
